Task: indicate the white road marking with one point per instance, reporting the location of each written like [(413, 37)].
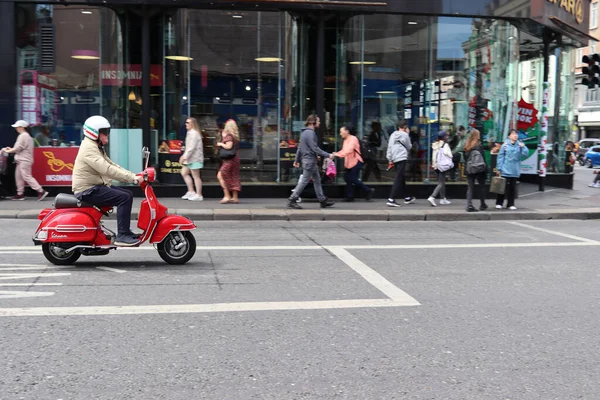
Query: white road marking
[(551, 232), (119, 271), (27, 268), (20, 252), (5, 294), (201, 308), (374, 278), (467, 246), (31, 284), (531, 194), (25, 265), (5, 276), (582, 242)]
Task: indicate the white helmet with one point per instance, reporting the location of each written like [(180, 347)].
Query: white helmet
[(95, 125)]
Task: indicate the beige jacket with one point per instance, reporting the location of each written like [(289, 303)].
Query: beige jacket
[(194, 151), (23, 148), (93, 167)]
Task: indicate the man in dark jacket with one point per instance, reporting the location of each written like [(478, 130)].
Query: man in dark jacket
[(307, 154), (374, 142)]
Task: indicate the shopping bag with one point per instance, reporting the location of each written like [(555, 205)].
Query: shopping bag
[(498, 185), (331, 171)]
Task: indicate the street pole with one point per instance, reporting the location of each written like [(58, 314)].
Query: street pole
[(542, 153)]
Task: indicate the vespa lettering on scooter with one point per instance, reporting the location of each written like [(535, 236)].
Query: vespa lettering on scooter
[(169, 232)]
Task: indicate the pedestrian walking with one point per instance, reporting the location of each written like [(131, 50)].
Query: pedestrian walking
[(23, 150), (307, 154), (441, 162), (353, 163), (374, 142), (229, 173), (398, 150), (596, 182), (476, 169), (508, 166), (192, 161)]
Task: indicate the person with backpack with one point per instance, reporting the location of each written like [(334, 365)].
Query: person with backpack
[(397, 154), (441, 162), (509, 166), (353, 163), (476, 170)]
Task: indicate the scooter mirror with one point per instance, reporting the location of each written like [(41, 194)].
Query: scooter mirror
[(145, 156)]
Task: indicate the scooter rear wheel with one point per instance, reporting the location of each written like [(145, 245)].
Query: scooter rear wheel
[(57, 256), (176, 249)]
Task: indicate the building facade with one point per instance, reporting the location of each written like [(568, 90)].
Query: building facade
[(149, 65), (588, 100)]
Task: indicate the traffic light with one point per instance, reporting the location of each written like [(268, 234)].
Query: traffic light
[(591, 73)]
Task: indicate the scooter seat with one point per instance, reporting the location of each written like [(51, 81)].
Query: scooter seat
[(64, 200)]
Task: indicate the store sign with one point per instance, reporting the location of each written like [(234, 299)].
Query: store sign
[(573, 7), (130, 74), (484, 113), (526, 116), (53, 166)]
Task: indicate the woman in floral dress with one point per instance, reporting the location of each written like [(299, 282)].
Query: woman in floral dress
[(229, 173)]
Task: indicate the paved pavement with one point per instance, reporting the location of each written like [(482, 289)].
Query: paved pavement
[(580, 203), (310, 310)]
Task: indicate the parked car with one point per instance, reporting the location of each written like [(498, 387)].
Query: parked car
[(584, 146), (592, 157)]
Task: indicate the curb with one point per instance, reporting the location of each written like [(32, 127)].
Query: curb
[(354, 215)]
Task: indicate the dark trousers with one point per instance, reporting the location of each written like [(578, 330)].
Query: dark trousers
[(351, 177), (399, 186), (102, 196), (511, 184), (371, 165), (480, 188)]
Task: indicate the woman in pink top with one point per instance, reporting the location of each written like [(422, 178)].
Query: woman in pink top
[(353, 163)]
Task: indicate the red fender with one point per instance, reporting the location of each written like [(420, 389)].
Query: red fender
[(168, 224)]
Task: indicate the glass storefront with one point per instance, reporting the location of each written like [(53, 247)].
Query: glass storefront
[(261, 69)]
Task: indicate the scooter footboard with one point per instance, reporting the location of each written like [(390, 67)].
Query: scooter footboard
[(169, 224)]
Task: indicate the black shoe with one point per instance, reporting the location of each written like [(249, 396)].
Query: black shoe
[(348, 200), (369, 195), (471, 209), (125, 240), (327, 203), (483, 207), (293, 204), (134, 235)]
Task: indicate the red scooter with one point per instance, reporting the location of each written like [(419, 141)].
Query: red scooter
[(74, 228)]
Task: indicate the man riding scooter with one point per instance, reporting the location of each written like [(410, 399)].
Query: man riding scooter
[(92, 175)]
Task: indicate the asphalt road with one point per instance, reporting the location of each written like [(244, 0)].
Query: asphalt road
[(314, 310)]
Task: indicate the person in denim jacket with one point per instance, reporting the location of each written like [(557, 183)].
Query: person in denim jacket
[(509, 166)]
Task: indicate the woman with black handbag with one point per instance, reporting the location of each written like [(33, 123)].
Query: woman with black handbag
[(229, 173)]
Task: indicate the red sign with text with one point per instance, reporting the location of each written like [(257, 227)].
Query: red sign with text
[(526, 116), (53, 166), (130, 74)]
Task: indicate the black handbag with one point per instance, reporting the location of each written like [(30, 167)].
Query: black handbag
[(227, 154)]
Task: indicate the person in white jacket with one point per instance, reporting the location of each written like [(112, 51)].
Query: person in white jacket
[(398, 151), (441, 162)]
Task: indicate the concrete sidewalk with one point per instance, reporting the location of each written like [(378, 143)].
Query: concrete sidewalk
[(552, 204), (581, 203)]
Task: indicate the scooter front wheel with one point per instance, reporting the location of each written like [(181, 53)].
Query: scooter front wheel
[(58, 256), (177, 247)]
